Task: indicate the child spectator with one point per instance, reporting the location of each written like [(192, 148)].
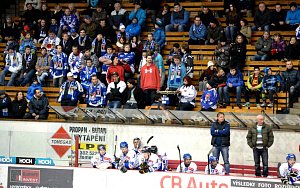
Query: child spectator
[(27, 41), (269, 87), (278, 47), (159, 34), (292, 50), (220, 79), (222, 55), (174, 51), (35, 85), (209, 97), (187, 94), (120, 44), (188, 60), (206, 75), (122, 33), (235, 83)]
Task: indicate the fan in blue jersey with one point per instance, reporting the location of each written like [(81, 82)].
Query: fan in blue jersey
[(96, 93), (59, 67), (86, 74)]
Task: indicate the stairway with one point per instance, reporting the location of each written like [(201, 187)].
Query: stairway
[(296, 108)]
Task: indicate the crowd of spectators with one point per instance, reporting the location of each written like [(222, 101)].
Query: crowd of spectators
[(93, 57)]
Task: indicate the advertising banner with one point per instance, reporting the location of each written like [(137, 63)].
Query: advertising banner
[(3, 176), (39, 177)]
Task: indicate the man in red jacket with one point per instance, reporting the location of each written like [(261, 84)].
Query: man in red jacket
[(150, 79), (115, 67)]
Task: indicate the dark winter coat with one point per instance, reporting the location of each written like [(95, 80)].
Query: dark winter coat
[(262, 19), (138, 96), (291, 77), (5, 106), (18, 109), (39, 106), (220, 133), (267, 136)]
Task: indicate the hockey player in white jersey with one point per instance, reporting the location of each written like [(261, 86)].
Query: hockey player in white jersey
[(162, 159), (148, 162), (290, 171), (128, 158), (187, 166), (102, 160), (137, 145), (214, 167)]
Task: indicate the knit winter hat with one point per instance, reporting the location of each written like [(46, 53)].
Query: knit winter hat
[(210, 63)]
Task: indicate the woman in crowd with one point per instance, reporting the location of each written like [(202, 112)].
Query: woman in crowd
[(19, 106), (187, 94)]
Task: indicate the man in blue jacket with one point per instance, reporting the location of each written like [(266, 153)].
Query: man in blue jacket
[(179, 19), (134, 29), (235, 83), (197, 32), (138, 13), (293, 16)]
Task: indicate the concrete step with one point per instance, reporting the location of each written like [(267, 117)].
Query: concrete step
[(296, 105), (295, 111)]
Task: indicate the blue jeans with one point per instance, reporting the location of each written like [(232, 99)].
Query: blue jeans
[(114, 104), (263, 154), (221, 93), (170, 27), (11, 80), (230, 32), (23, 80), (42, 78), (224, 150), (260, 58), (266, 28), (238, 90)]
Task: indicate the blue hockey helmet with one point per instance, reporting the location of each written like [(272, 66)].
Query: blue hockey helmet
[(123, 145), (101, 146), (187, 156), (290, 156), (212, 159)]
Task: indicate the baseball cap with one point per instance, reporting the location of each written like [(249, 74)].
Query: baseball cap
[(70, 74)]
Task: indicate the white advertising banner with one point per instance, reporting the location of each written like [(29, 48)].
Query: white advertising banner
[(3, 176)]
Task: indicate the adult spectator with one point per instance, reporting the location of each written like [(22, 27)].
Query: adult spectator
[(35, 4), (179, 19), (151, 7), (50, 42), (262, 18), (67, 22), (263, 48), (149, 43), (227, 4), (232, 22), (42, 66), (245, 7), (99, 45), (137, 46), (133, 29), (122, 33), (206, 16), (86, 74), (159, 34), (74, 61), (127, 59), (292, 50), (70, 91), (58, 13), (73, 10), (41, 31), (5, 105), (150, 79), (138, 13), (118, 16), (289, 171), (66, 43), (59, 67), (269, 87), (209, 98), (238, 51), (278, 17), (278, 47), (87, 55), (105, 61), (89, 26), (187, 94), (31, 15), (99, 14), (83, 42), (159, 62), (220, 132), (222, 54), (115, 92), (134, 96), (28, 69), (35, 85), (174, 51), (106, 31), (220, 78), (293, 16), (206, 75), (38, 106), (18, 106), (177, 72), (260, 138), (45, 14), (245, 30), (187, 166), (96, 93), (54, 26), (234, 83), (253, 85), (214, 32), (13, 65), (197, 32), (164, 16), (291, 78), (115, 67), (188, 60), (214, 167), (9, 30)]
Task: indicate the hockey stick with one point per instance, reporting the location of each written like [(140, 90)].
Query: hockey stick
[(179, 158), (116, 139), (149, 139), (208, 165)]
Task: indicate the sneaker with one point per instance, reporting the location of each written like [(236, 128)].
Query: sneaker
[(263, 104), (257, 105), (270, 105), (247, 104)]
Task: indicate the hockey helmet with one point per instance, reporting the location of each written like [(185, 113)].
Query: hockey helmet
[(123, 145), (290, 156), (153, 149), (187, 156), (212, 159), (146, 149), (101, 146)]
